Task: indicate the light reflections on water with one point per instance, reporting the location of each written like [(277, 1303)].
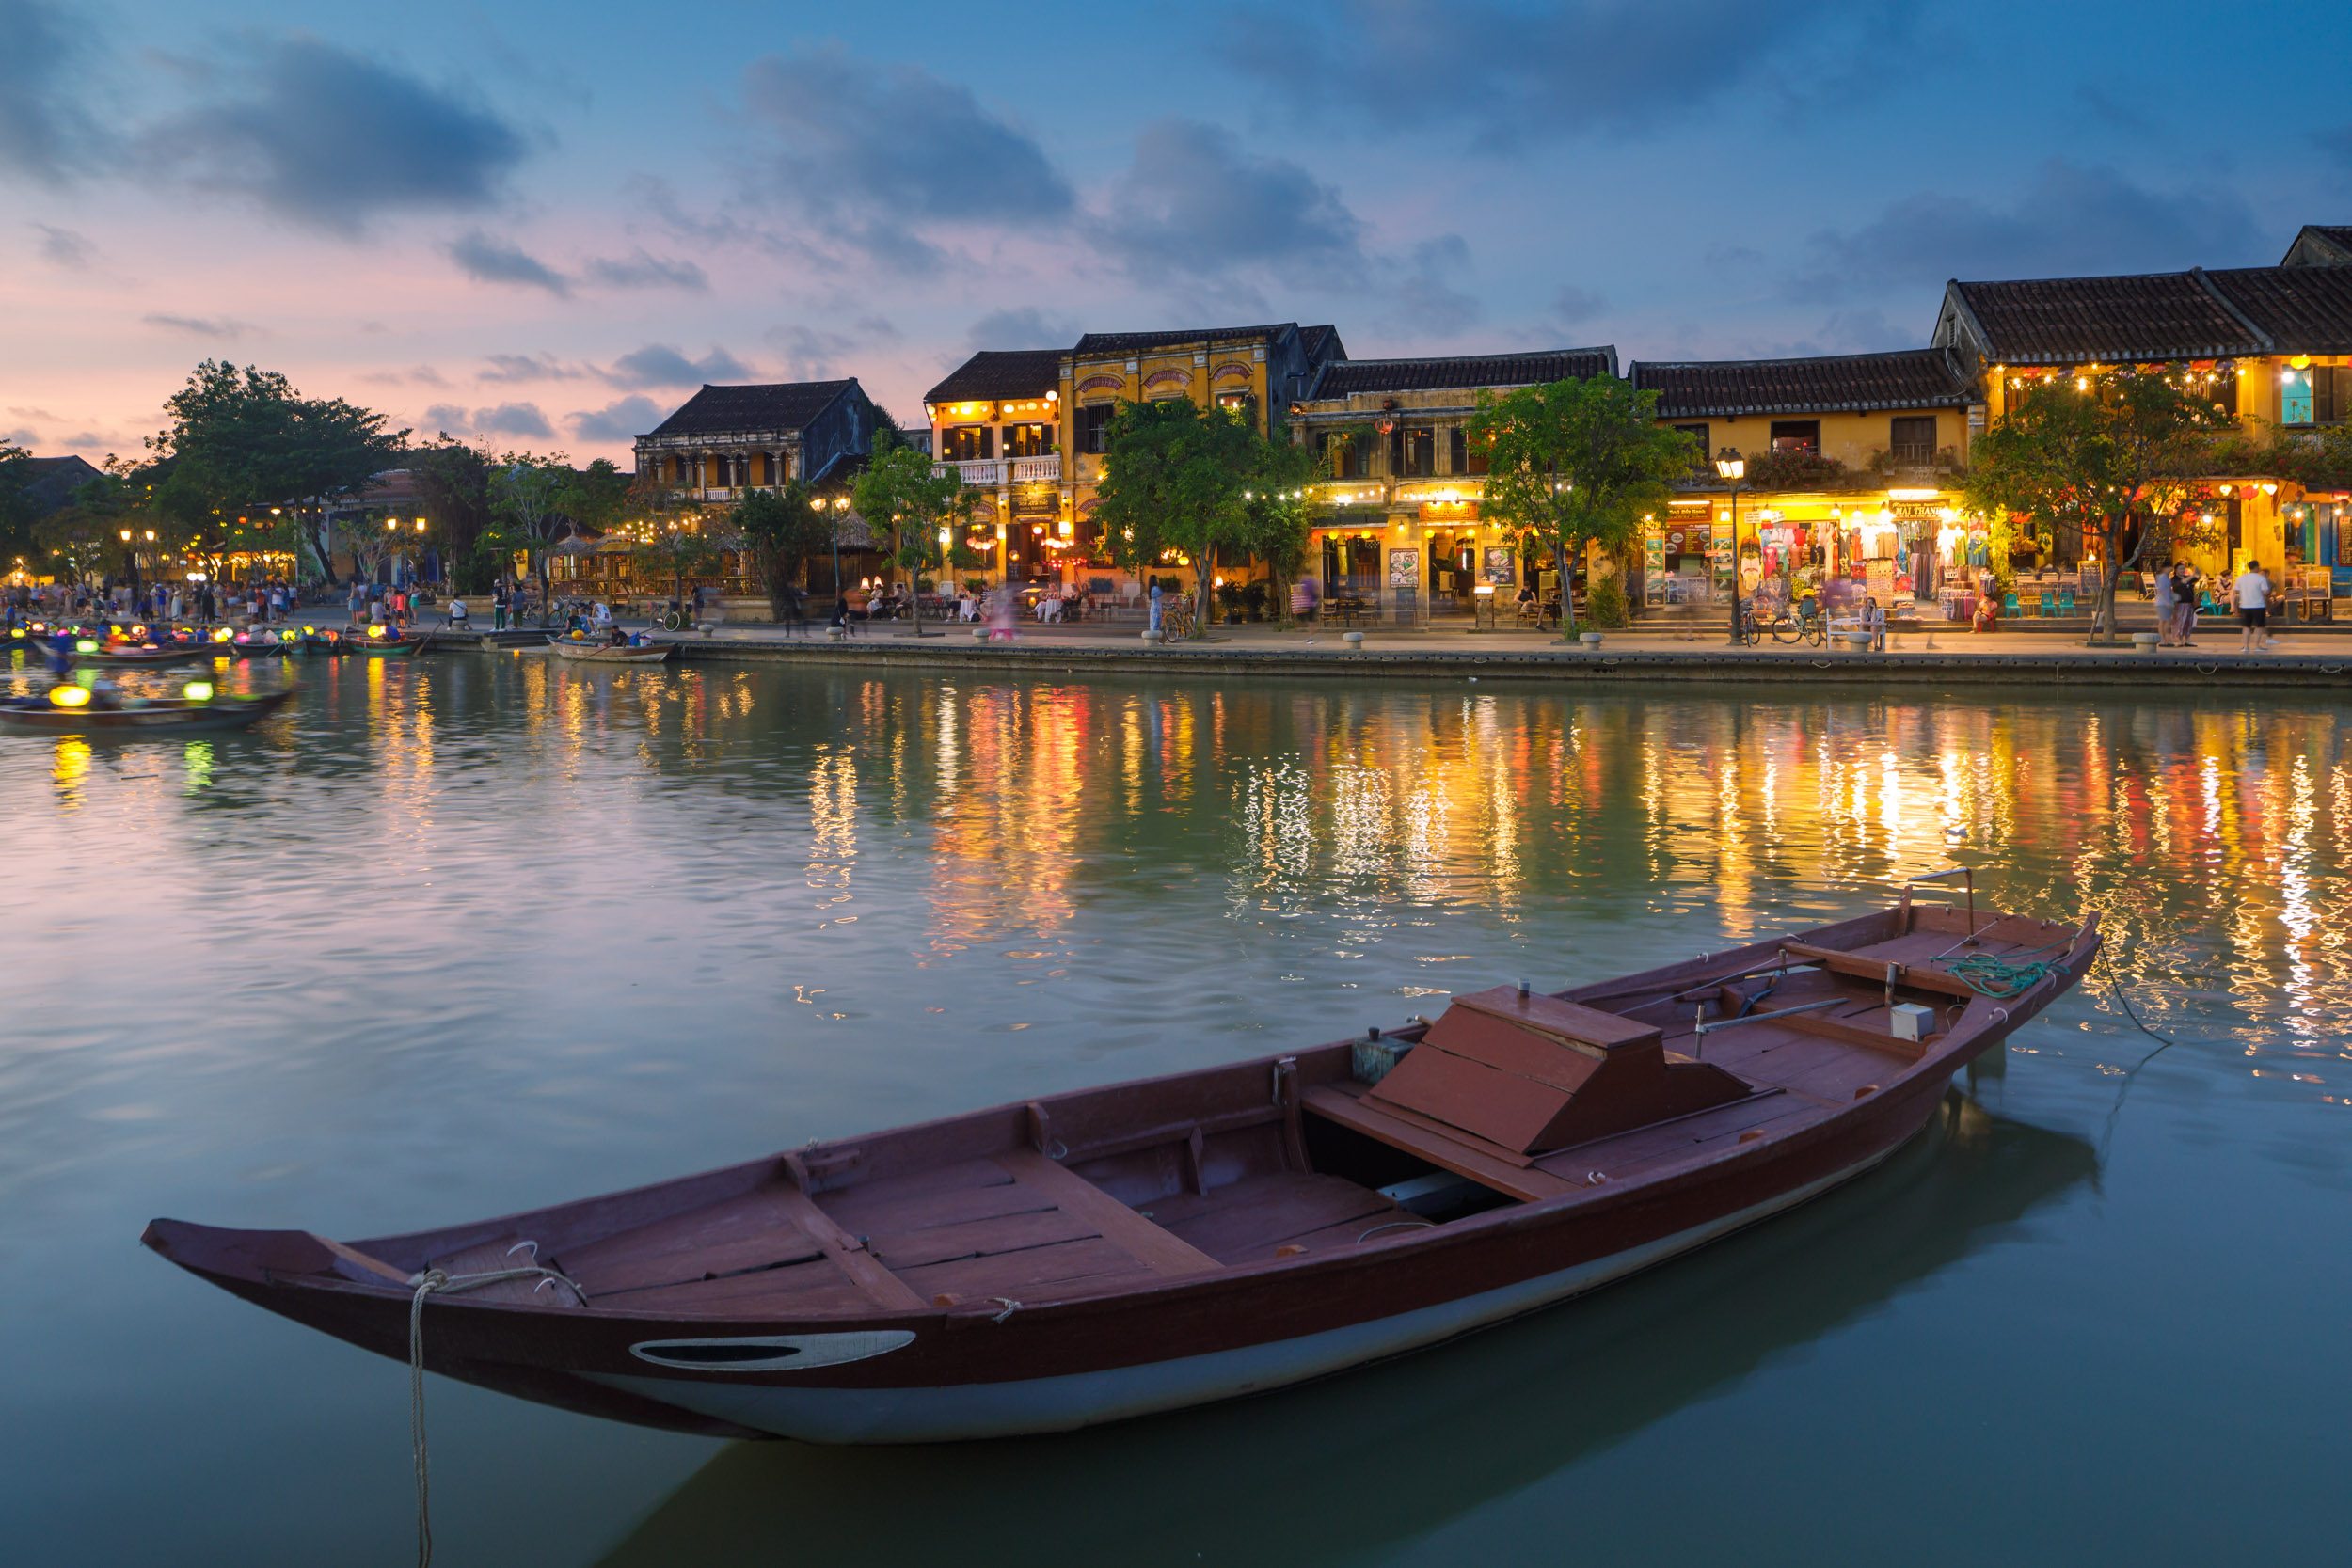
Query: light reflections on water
[(457, 936)]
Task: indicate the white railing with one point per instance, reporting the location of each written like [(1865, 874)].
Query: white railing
[(1037, 469), (985, 471)]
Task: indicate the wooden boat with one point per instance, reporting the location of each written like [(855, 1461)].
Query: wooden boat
[(610, 652), (1172, 1242), (152, 654), (164, 716), (378, 647)]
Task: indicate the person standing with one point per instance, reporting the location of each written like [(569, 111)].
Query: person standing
[(1156, 604), (2253, 609), (499, 601), (2167, 606)]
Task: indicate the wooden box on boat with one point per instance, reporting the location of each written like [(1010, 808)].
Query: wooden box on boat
[(1108, 1253)]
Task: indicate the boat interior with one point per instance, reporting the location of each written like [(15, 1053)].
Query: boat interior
[(1508, 1097)]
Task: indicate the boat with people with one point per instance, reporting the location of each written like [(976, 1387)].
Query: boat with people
[(69, 709), (586, 651), (1088, 1256)]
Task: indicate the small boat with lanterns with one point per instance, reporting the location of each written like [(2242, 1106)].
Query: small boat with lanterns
[(1108, 1253), (66, 709), (377, 642), (132, 656), (586, 651)]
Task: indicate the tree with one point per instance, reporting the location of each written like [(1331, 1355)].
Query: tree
[(16, 503), (453, 481), (595, 496), (1173, 477), (2109, 456), (1577, 463), (241, 440), (780, 529), (85, 533), (899, 493), (525, 514), (1273, 525)]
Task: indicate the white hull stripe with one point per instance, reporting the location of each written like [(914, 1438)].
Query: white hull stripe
[(932, 1415)]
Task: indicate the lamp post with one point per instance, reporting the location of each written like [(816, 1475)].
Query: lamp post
[(1733, 468)]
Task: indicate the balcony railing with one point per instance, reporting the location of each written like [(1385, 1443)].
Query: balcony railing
[(1912, 454), (984, 470), (1037, 469)]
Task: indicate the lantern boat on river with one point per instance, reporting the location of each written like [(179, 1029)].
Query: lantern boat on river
[(1088, 1256), (161, 716)]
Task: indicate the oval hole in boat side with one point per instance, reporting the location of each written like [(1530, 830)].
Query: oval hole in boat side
[(776, 1353)]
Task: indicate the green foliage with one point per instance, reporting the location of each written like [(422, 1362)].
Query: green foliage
[(452, 482), (526, 512), (16, 504), (780, 529), (595, 496), (1604, 603), (242, 439), (2102, 461), (1174, 477), (83, 536), (899, 495), (1577, 463), (1274, 524), (1798, 470)]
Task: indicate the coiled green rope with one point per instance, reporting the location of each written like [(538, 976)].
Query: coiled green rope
[(2003, 977)]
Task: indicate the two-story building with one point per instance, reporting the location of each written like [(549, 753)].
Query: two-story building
[(997, 419), (1851, 464), (1398, 482), (1255, 371), (2271, 345), (729, 439)]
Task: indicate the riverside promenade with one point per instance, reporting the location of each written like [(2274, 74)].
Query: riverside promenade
[(2314, 657)]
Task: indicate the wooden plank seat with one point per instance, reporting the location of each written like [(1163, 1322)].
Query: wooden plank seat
[(1344, 1103)]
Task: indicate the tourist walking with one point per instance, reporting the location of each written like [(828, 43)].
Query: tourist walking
[(2168, 607), (499, 601), (2184, 606), (2253, 609), (1155, 624)]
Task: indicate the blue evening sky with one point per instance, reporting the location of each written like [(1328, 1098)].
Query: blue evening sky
[(547, 223)]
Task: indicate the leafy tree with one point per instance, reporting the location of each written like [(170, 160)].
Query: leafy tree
[(453, 481), (242, 440), (898, 493), (16, 503), (1274, 527), (84, 534), (1577, 463), (2109, 456), (526, 513), (780, 529), (1173, 477), (598, 496)]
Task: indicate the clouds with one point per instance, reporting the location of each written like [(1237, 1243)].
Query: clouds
[(65, 247), (528, 366), (1195, 205), (617, 424), (223, 327), (2065, 221), (661, 365), (489, 260), (1428, 305), (1025, 326), (507, 419), (639, 270), (1573, 307), (330, 139), (1508, 75), (45, 135), (875, 153)]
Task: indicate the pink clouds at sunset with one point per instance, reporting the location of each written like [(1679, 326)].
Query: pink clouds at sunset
[(549, 224)]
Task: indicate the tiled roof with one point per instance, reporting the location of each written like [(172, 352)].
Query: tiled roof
[(1344, 378), (1314, 340), (2165, 315), (783, 406), (2320, 245), (1908, 378), (1144, 342), (2301, 309), (994, 374)]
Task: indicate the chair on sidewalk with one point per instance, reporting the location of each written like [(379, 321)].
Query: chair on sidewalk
[(2066, 603), (2009, 607), (2049, 605)]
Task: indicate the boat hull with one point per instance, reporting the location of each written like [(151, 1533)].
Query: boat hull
[(132, 723), (1072, 1357)]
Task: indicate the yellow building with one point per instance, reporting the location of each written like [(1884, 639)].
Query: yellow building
[(1852, 463), (2272, 344), (1260, 371), (997, 419), (1396, 524)]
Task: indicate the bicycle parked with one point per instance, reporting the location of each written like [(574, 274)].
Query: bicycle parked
[(1805, 624)]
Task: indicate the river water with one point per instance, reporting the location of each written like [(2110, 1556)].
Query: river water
[(468, 934)]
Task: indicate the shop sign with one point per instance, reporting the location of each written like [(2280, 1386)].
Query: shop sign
[(1036, 500), (1449, 512), (1915, 512)]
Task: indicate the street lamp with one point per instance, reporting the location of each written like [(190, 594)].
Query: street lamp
[(1733, 468)]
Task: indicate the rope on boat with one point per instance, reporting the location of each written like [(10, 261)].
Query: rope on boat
[(2004, 977), (435, 1281)]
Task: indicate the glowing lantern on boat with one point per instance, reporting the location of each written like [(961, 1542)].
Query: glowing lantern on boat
[(85, 647), (198, 691), (222, 635), (70, 696), (375, 632)]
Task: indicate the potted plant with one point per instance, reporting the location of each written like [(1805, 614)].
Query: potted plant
[(1253, 598), (1228, 595)]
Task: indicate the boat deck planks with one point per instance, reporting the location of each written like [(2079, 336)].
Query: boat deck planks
[(1248, 1219)]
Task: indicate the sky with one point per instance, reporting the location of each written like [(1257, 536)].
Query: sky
[(545, 225)]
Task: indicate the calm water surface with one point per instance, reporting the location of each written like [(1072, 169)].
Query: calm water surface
[(467, 935)]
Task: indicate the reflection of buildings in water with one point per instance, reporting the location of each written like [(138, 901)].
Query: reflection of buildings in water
[(833, 824), (1482, 1417)]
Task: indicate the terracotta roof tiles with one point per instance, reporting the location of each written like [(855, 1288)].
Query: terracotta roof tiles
[(1907, 378)]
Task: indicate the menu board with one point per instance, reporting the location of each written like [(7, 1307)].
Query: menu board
[(1502, 564), (1405, 568)]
